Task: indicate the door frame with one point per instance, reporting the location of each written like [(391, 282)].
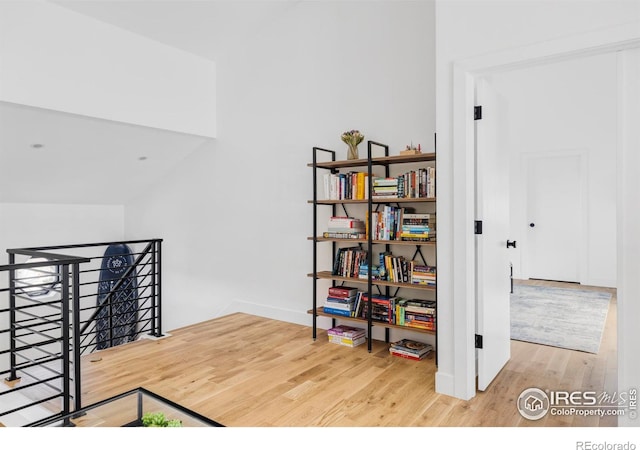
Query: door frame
[(583, 229), (610, 39)]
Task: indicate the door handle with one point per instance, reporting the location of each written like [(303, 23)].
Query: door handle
[(511, 244)]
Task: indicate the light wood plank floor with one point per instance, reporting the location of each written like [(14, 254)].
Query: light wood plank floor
[(242, 370)]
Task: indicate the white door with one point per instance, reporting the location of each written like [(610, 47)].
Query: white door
[(554, 212), (492, 255)]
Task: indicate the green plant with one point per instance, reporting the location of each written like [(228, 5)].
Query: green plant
[(159, 420)]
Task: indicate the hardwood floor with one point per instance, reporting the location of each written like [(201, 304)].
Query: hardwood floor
[(242, 371)]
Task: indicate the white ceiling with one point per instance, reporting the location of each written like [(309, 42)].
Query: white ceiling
[(83, 160), (92, 161)]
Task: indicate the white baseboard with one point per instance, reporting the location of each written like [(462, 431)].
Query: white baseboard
[(445, 384)]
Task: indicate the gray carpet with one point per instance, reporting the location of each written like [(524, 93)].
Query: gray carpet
[(566, 318)]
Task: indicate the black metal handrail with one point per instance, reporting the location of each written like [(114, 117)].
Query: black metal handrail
[(48, 347), (78, 281)]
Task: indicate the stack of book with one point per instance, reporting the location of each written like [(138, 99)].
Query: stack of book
[(377, 272), (410, 349), (417, 227), (416, 313), (341, 301), (345, 228), (346, 335), (423, 274), (385, 187)]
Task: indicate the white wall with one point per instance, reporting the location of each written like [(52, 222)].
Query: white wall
[(563, 107), (465, 30), (628, 226), (32, 225), (234, 215), (57, 59)]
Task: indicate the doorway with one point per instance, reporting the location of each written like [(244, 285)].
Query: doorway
[(464, 76)]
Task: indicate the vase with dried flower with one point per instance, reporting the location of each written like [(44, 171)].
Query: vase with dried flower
[(352, 139)]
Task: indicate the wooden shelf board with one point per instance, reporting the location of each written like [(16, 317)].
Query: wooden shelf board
[(320, 312), (376, 200), (326, 275), (383, 160), (394, 242)]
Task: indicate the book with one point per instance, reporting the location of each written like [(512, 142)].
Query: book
[(411, 346), (346, 331), (336, 311), (342, 235), (418, 306), (431, 326), (406, 356), (342, 291), (348, 342), (345, 222), (340, 306)]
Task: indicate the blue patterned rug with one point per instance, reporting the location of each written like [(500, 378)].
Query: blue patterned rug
[(566, 318)]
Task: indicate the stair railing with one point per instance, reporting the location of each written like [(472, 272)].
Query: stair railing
[(89, 308)]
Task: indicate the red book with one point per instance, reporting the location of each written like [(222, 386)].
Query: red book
[(342, 292), (405, 356)]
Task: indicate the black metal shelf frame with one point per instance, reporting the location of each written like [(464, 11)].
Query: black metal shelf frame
[(333, 167)]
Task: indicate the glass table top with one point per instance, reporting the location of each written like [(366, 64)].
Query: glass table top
[(136, 408)]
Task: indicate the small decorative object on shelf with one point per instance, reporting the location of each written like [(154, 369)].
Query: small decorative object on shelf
[(411, 150), (352, 139)]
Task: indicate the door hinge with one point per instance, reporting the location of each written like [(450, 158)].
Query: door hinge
[(477, 112), (477, 227), (478, 341)]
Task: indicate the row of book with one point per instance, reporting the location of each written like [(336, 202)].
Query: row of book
[(352, 262), (394, 223), (349, 262), (415, 313), (390, 223), (413, 184), (350, 302), (346, 186), (355, 185)]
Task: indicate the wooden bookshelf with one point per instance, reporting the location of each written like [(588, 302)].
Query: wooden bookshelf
[(380, 167)]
